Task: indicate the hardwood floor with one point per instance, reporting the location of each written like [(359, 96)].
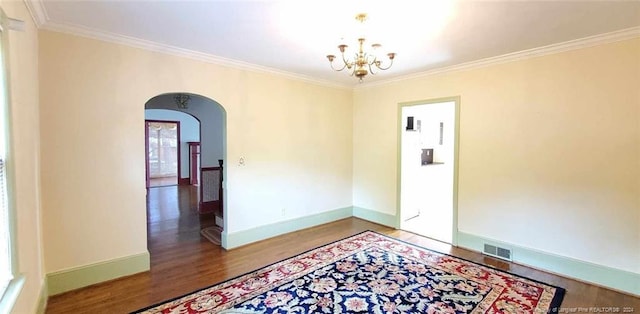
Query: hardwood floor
[(182, 261), (164, 181)]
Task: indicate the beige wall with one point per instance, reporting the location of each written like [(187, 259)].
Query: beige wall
[(549, 150), (25, 137), (294, 136)]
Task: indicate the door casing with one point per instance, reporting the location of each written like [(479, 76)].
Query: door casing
[(456, 145)]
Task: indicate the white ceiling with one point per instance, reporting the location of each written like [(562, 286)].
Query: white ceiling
[(295, 36)]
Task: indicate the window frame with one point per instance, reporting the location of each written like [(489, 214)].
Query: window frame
[(12, 291)]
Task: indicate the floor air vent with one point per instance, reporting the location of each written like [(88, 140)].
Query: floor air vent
[(497, 251)]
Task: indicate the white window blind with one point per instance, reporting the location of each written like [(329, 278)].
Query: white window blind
[(6, 273), (5, 253)]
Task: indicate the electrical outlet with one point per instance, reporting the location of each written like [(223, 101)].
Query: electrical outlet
[(284, 212)]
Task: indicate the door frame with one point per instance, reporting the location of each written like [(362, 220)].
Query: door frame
[(146, 148), (456, 146), (194, 167)]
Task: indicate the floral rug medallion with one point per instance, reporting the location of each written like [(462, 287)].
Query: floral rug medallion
[(371, 273)]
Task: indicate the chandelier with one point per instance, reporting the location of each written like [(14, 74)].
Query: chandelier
[(362, 62), (182, 101)]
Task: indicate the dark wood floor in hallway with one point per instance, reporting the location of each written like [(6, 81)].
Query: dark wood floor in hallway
[(182, 261)]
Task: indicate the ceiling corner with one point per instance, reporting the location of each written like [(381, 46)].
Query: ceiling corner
[(38, 11)]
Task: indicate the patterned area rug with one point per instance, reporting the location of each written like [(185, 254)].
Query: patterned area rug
[(371, 273)]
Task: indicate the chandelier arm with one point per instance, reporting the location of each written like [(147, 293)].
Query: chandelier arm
[(387, 67), (352, 65), (373, 64), (346, 62), (369, 57), (371, 69), (337, 70)]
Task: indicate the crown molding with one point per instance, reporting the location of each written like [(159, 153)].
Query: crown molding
[(581, 43), (181, 52), (40, 17), (38, 12)]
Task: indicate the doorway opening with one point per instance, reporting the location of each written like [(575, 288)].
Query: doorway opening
[(190, 213), (428, 168), (162, 152)]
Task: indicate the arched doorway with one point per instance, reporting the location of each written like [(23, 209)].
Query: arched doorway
[(181, 213)]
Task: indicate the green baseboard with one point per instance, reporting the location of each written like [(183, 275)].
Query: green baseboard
[(375, 216), (78, 277), (42, 298), (602, 275), (240, 238), (83, 276)]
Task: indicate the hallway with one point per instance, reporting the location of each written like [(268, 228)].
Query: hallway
[(173, 221)]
